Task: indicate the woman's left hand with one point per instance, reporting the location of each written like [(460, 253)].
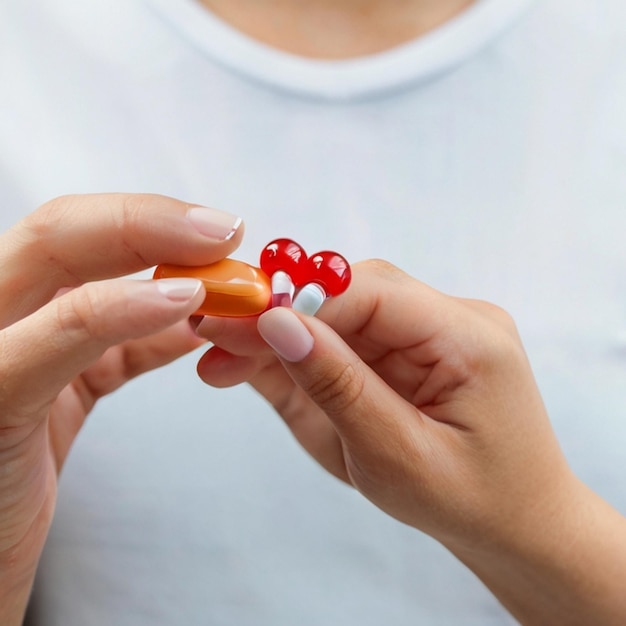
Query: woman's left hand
[(427, 405)]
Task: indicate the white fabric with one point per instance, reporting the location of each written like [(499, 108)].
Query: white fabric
[(487, 159), (437, 51)]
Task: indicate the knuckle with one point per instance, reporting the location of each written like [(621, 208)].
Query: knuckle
[(132, 209), (498, 347), (498, 314), (77, 314), (383, 273), (338, 390), (135, 209), (495, 315), (506, 321), (380, 267), (131, 222), (46, 221)]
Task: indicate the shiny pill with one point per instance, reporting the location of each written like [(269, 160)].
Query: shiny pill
[(233, 288)]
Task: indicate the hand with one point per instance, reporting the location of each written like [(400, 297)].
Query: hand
[(419, 400), (428, 406), (66, 340)]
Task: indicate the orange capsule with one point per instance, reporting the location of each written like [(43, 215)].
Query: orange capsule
[(233, 288)]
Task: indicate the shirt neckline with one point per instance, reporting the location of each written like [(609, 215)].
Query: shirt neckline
[(439, 50)]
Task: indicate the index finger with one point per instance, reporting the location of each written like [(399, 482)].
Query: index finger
[(76, 239), (371, 315)]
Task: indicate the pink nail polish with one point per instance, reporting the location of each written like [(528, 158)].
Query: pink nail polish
[(213, 223), (178, 289), (285, 334)]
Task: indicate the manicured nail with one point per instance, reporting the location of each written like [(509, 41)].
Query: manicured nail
[(285, 334), (178, 289), (213, 223)]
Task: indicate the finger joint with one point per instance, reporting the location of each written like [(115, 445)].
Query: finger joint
[(339, 391)]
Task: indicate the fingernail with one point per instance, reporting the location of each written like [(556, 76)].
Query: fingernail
[(285, 334), (178, 289), (213, 223)]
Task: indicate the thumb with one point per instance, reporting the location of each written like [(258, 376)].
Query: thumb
[(363, 409)]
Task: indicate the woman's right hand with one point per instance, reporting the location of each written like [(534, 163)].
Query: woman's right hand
[(72, 331)]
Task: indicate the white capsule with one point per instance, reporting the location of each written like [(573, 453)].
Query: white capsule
[(309, 299)]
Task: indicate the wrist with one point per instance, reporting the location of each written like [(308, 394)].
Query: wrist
[(18, 566), (16, 582), (563, 561)]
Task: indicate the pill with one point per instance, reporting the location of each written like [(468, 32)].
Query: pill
[(233, 288)]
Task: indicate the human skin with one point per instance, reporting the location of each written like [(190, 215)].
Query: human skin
[(331, 29), (66, 341), (546, 546), (427, 405), (479, 466)]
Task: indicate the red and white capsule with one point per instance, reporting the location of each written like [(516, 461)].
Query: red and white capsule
[(327, 274), (282, 260), (317, 277)]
